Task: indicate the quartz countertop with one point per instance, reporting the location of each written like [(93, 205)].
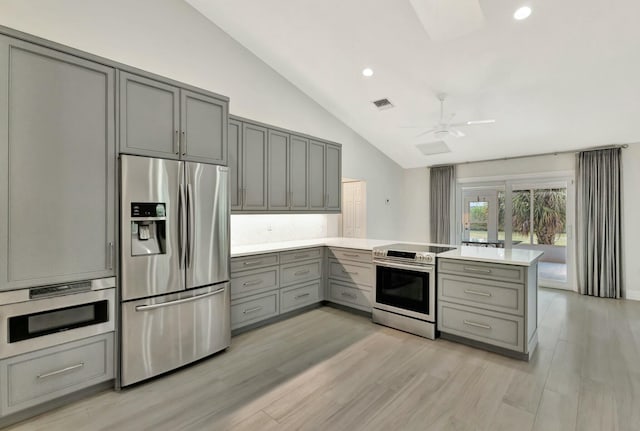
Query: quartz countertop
[(272, 247), (514, 256)]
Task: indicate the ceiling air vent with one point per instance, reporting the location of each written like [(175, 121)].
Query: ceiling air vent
[(383, 104)]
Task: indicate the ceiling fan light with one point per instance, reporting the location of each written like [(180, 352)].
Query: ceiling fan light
[(471, 123)]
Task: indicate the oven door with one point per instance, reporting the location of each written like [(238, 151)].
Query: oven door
[(406, 289)]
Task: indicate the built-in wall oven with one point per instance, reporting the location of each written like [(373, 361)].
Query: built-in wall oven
[(41, 317), (405, 287)]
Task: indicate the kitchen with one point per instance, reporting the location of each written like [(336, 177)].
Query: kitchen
[(393, 194)]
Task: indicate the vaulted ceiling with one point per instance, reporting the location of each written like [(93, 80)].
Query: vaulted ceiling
[(568, 77)]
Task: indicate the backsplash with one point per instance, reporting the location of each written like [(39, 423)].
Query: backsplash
[(261, 228)]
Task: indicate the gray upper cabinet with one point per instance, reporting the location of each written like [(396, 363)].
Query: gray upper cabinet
[(234, 139), (298, 173), (316, 184), (158, 119), (204, 128), (57, 156), (278, 172), (333, 177), (149, 117), (254, 167)]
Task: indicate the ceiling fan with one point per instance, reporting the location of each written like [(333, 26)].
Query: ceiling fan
[(446, 127)]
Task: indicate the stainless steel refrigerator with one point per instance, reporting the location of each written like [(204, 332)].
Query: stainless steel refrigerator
[(175, 299)]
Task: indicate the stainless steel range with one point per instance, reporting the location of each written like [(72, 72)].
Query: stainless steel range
[(405, 287)]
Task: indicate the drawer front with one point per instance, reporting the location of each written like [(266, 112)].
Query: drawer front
[(509, 273), (298, 296), (487, 294), (254, 309), (253, 262), (298, 272), (349, 295), (36, 377), (252, 282), (497, 329), (300, 255), (351, 254), (352, 272)]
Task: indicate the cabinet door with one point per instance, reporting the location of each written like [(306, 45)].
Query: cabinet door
[(204, 128), (333, 178), (149, 117), (57, 159), (254, 167), (316, 175), (298, 173), (234, 138), (278, 163)]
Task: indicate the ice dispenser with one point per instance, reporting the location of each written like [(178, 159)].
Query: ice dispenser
[(148, 228)]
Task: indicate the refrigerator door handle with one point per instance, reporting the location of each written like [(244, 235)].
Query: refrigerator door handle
[(178, 301), (181, 221), (190, 224)]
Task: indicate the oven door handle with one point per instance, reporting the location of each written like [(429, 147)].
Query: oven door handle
[(427, 268), (178, 301)]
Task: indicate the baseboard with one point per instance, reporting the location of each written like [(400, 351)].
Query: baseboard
[(634, 295)]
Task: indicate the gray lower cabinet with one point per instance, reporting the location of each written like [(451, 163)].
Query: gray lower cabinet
[(254, 167), (158, 119), (37, 377), (266, 285), (493, 305), (234, 138), (350, 278), (57, 158)]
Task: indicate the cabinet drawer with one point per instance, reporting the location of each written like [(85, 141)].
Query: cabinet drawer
[(487, 294), (298, 272), (351, 254), (349, 295), (36, 377), (252, 282), (300, 255), (298, 296), (497, 329), (357, 273), (499, 272), (253, 262), (254, 308)]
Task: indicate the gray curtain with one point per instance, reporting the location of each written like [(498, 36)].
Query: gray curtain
[(598, 214), (442, 186)]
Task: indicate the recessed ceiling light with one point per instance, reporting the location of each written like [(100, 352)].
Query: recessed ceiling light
[(367, 72), (522, 13)]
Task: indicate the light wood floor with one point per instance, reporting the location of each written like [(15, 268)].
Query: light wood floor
[(332, 370)]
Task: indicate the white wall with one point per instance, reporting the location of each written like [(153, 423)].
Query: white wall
[(526, 165), (261, 228), (415, 220), (170, 38), (630, 217)]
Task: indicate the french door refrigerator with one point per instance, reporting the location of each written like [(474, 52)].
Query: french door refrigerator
[(175, 299)]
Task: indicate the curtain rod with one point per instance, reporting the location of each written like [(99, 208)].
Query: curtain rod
[(555, 153)]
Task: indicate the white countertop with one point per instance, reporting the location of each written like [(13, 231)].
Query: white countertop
[(272, 247), (515, 256)]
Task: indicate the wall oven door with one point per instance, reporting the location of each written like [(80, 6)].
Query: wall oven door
[(406, 289)]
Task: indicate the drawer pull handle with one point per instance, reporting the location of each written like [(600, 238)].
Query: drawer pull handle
[(301, 256), (178, 301), (252, 262), (62, 371), (475, 292), (252, 283), (477, 325), (351, 254), (303, 272), (302, 295), (253, 310), (349, 295), (478, 270), (350, 272)]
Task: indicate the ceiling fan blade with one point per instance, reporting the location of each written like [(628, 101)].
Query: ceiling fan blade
[(472, 123), (456, 133), (426, 133)]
